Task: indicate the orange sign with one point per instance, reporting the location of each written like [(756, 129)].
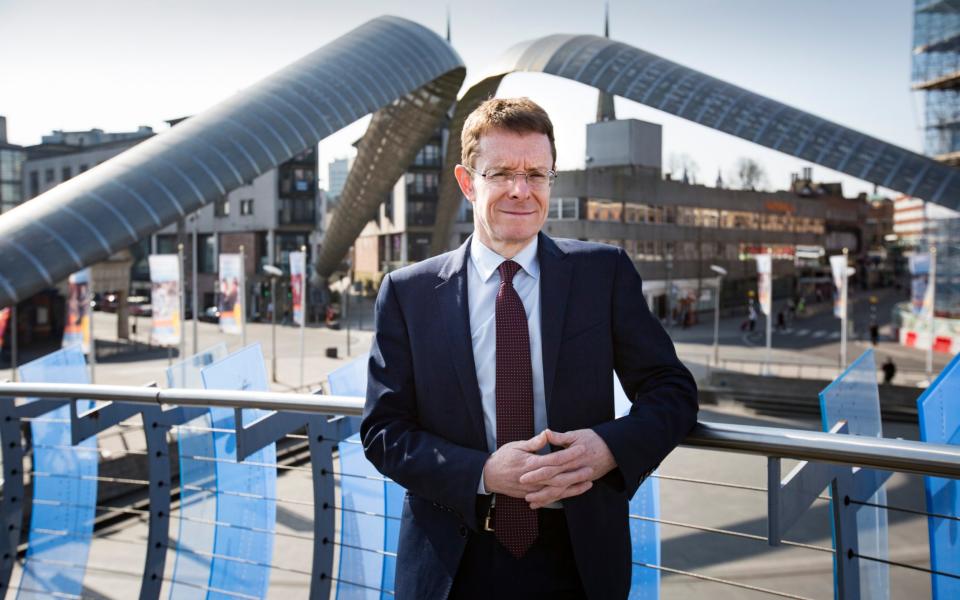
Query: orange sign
[(778, 206)]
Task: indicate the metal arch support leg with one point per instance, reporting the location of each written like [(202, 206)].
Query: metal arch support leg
[(158, 534), (322, 440), (11, 507)]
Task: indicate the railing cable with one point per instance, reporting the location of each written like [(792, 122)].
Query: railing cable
[(745, 586)]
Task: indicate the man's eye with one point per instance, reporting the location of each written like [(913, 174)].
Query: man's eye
[(537, 177), (497, 175)]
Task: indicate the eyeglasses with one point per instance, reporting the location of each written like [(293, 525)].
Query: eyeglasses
[(500, 177)]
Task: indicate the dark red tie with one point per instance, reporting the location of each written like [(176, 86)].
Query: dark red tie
[(515, 523)]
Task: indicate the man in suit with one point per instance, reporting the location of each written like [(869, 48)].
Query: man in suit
[(490, 390)]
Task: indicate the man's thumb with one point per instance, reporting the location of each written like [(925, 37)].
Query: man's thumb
[(536, 442), (557, 438)]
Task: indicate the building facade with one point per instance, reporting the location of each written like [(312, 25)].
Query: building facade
[(12, 158), (275, 214), (675, 231), (403, 230)]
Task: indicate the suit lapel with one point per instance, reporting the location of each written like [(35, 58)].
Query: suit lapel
[(555, 276), (455, 315)]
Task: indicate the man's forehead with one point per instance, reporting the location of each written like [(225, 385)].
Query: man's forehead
[(502, 146)]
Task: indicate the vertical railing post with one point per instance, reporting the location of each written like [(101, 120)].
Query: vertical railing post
[(323, 439), (158, 533), (846, 557), (11, 506)]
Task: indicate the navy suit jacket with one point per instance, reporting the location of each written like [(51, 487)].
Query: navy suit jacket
[(423, 421)]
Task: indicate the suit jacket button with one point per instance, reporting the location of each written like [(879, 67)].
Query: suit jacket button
[(463, 531)]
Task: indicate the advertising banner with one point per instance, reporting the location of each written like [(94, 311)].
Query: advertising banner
[(838, 267), (231, 290), (298, 269), (764, 281), (165, 299), (4, 319), (919, 275), (77, 328)]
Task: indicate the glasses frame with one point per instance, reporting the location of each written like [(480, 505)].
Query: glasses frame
[(551, 177)]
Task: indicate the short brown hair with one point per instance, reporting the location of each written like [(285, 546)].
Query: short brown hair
[(518, 115)]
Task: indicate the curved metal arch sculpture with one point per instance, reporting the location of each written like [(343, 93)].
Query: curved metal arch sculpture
[(620, 69), (387, 63)]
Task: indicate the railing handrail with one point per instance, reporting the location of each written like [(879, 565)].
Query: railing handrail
[(921, 458)]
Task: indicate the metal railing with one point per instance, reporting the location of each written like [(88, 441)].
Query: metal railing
[(293, 413), (825, 371)]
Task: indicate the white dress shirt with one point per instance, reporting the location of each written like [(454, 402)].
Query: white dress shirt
[(483, 283)]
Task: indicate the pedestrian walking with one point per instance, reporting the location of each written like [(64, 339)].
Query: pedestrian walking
[(889, 371)]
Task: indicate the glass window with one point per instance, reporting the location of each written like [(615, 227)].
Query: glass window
[(48, 176), (66, 174), (205, 253), (221, 207), (246, 206)]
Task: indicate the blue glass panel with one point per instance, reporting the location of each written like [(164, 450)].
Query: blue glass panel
[(939, 412), (246, 491), (644, 535), (61, 521), (854, 397), (350, 380), (198, 507), (363, 527), (395, 495), (645, 538)]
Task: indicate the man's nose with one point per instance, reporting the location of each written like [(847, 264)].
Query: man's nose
[(519, 188)]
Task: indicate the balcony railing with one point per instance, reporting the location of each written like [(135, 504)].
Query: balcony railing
[(315, 425)]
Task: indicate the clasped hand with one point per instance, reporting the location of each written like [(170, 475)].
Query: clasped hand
[(516, 469)]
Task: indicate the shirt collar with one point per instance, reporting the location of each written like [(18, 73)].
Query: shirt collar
[(486, 261)]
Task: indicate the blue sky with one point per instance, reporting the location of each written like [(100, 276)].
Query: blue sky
[(118, 64)]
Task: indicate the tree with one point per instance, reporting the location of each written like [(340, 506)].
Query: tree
[(683, 164), (749, 174)]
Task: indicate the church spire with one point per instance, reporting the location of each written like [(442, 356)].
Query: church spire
[(605, 109), (448, 23)]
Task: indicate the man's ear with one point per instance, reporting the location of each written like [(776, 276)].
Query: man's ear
[(466, 182)]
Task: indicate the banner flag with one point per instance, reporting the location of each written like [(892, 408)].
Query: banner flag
[(231, 285), (4, 319), (165, 299), (77, 328), (919, 276), (298, 269), (838, 267), (764, 282)]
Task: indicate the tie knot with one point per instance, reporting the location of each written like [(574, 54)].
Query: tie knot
[(508, 269)]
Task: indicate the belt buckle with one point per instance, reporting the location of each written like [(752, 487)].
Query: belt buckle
[(488, 520)]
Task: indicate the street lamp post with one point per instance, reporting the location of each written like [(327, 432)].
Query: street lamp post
[(273, 272), (720, 271)]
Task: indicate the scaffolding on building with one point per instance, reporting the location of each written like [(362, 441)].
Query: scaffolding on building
[(936, 72)]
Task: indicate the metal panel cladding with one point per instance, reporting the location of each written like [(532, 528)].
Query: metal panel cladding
[(108, 208)]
